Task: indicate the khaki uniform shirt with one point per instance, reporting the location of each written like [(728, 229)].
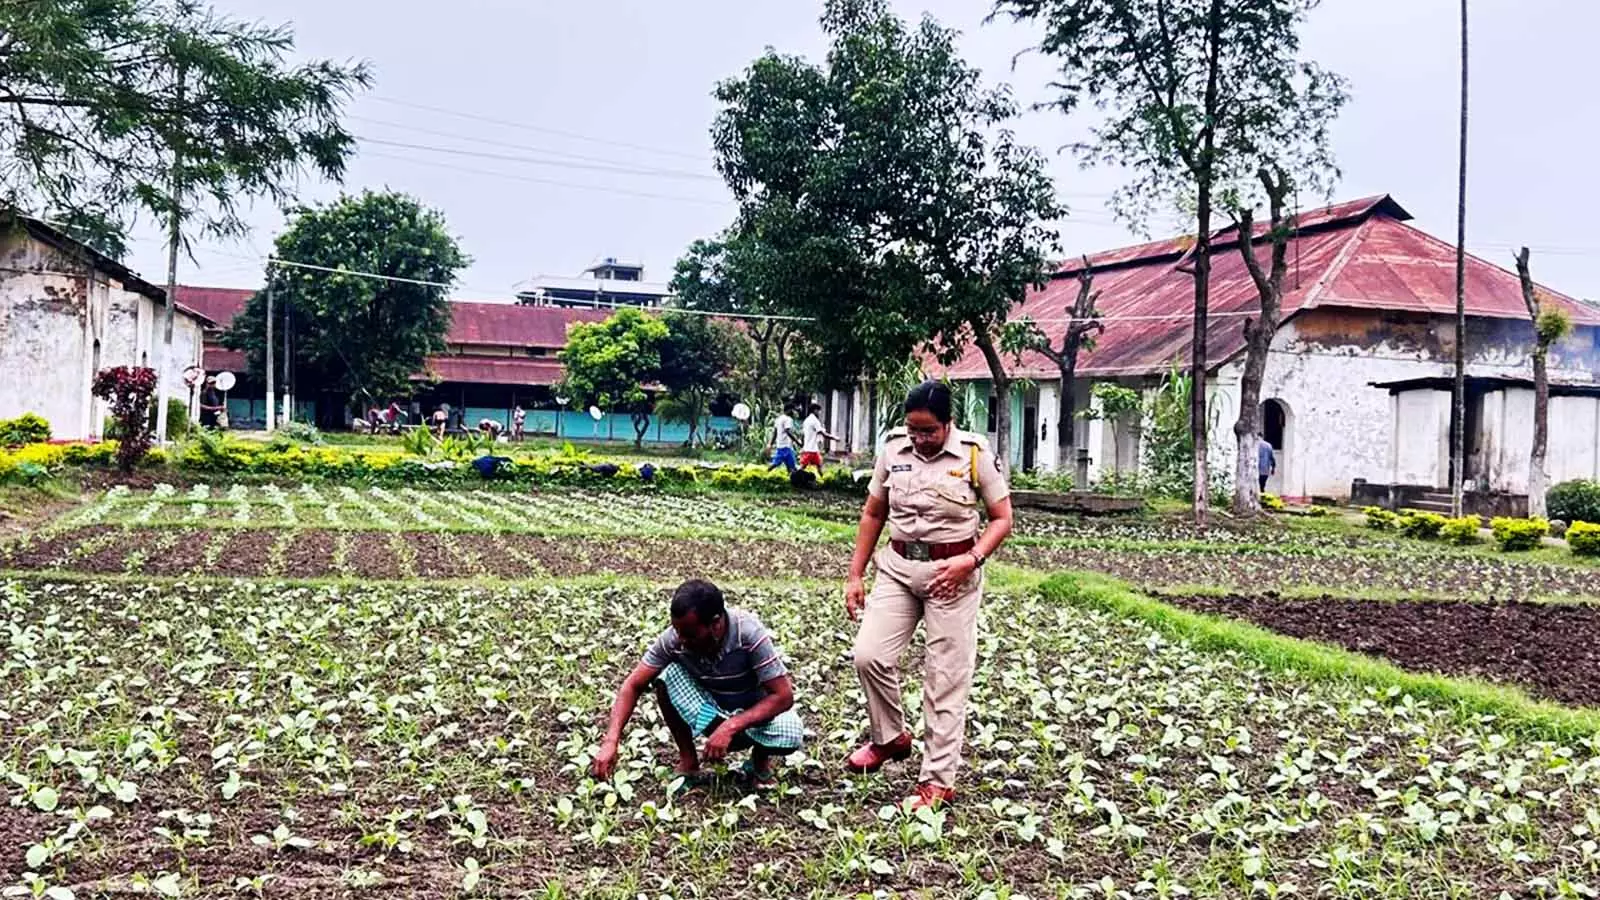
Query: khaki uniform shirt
[(933, 500)]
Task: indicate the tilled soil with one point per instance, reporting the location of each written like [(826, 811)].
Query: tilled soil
[(313, 553), (1452, 575), (1551, 650)]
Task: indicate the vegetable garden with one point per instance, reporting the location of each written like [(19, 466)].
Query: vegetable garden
[(324, 690)]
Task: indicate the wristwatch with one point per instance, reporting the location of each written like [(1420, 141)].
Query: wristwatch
[(978, 558)]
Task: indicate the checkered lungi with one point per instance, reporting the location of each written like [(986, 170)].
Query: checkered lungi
[(699, 709)]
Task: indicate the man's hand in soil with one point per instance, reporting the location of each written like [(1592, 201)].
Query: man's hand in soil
[(716, 749), (605, 761)]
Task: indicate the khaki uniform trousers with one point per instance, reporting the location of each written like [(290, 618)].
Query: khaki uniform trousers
[(899, 599)]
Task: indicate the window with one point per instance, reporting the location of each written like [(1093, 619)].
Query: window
[(994, 410), (537, 351)]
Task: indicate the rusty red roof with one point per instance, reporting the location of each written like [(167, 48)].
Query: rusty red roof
[(513, 325), (219, 305), (493, 370), (1357, 254)]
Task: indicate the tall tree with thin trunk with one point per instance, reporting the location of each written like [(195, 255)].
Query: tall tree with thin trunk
[(1258, 334), (1194, 96), (1458, 398), (1549, 325)]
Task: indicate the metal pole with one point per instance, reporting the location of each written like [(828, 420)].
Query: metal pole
[(288, 364), (272, 408)]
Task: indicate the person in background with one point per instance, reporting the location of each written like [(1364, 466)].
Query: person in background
[(1266, 462), (715, 672), (928, 486), (441, 417), (374, 419), (519, 418), (812, 448), (782, 444), (489, 427), (211, 404), (392, 417)]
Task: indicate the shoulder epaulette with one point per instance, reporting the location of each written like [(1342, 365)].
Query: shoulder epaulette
[(893, 433), (976, 440)]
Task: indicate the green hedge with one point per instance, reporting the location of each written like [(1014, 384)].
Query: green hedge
[(1419, 524), (1584, 538), (1515, 535), (27, 428), (1462, 531), (1574, 501)]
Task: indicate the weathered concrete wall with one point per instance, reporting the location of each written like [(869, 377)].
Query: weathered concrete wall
[(61, 321), (1506, 438)]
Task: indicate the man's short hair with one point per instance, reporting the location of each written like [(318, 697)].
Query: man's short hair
[(816, 407), (700, 597)]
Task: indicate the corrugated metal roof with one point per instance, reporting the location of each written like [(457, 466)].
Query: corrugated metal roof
[(1356, 254), (219, 305), (514, 325), (493, 370)]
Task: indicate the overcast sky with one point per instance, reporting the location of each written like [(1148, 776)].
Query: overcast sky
[(588, 85)]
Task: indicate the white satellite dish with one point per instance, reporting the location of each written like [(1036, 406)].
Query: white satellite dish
[(225, 381), (594, 413), (741, 412), (563, 400)]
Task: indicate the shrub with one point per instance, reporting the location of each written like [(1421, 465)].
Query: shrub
[(1419, 524), (1574, 501), (128, 389), (1519, 534), (1318, 512), (1462, 531), (1381, 519), (1272, 502), (27, 428), (1584, 538)]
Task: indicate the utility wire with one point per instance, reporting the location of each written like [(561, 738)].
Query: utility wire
[(549, 181), (540, 129), (557, 163)]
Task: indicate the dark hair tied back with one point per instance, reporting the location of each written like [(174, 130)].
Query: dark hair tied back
[(933, 397)]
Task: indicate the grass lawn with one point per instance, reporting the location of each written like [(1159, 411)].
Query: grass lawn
[(321, 691)]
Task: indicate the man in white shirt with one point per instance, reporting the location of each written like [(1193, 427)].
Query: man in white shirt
[(815, 434), (782, 444)]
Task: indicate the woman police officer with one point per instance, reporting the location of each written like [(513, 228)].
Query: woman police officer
[(927, 485)]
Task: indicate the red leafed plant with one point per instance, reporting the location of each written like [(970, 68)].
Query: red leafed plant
[(129, 390)]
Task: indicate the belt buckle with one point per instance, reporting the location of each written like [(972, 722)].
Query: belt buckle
[(919, 551)]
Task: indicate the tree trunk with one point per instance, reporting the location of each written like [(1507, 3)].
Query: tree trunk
[(1084, 324), (1002, 392), (163, 356), (641, 425), (1202, 269), (1258, 334), (1538, 475), (1458, 402)]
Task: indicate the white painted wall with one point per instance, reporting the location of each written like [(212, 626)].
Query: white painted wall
[(1047, 457), (52, 312), (1574, 450)]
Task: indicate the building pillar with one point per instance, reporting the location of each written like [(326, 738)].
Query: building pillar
[(861, 420), (1047, 452)]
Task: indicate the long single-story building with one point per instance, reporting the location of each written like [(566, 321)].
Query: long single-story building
[(1352, 386), (498, 356), (66, 312)]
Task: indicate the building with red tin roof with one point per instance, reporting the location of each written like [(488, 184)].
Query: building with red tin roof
[(1351, 391), (498, 356)]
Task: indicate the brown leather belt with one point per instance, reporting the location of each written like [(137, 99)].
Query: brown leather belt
[(925, 552)]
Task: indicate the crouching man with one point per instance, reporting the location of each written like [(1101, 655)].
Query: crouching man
[(717, 673)]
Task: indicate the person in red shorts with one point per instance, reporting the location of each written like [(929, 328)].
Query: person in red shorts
[(813, 434)]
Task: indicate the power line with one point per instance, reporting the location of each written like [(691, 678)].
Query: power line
[(549, 181), (473, 139), (560, 164), (541, 129)]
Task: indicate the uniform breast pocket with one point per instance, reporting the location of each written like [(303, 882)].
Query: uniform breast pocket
[(957, 493)]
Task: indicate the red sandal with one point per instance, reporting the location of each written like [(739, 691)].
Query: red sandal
[(870, 757), (930, 795)]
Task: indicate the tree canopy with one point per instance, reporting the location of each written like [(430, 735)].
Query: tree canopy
[(97, 96), (368, 336), (881, 197), (609, 363)]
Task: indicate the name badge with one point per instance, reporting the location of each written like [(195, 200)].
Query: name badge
[(900, 468)]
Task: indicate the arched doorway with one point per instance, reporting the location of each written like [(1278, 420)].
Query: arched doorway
[(1276, 424)]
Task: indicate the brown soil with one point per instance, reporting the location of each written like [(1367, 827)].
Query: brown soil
[(249, 553), (1552, 650)]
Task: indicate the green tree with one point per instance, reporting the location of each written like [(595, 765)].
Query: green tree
[(731, 274), (367, 336), (893, 209), (110, 109), (608, 364), (696, 358), (1192, 97)]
